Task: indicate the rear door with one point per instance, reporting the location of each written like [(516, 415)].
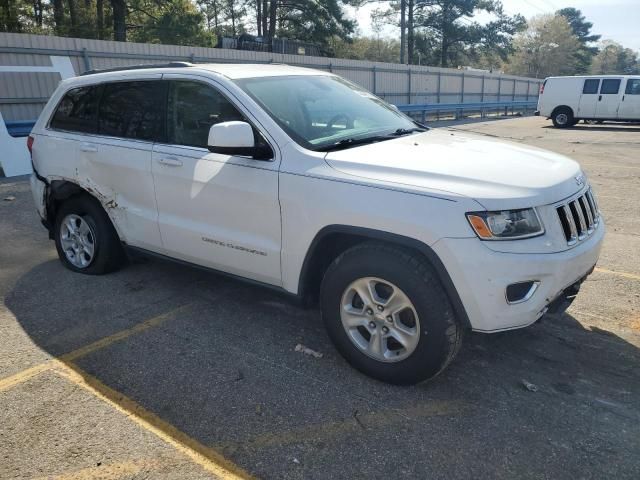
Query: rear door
[(589, 98), (630, 105), (609, 98), (115, 163), (216, 210)]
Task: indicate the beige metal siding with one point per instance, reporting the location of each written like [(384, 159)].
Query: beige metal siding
[(390, 81)]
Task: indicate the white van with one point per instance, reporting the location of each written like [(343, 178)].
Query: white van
[(567, 100), (302, 181)]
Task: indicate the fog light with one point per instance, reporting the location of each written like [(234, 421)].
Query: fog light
[(521, 291)]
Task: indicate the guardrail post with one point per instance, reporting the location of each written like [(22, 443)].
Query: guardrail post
[(87, 60), (439, 84), (409, 84), (482, 92), (330, 67), (462, 90), (528, 89), (374, 79)]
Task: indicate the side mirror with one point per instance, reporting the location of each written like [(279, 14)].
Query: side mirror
[(237, 138)]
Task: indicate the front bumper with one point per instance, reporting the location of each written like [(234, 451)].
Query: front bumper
[(481, 277)]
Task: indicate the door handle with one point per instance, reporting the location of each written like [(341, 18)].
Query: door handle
[(170, 161), (88, 147)]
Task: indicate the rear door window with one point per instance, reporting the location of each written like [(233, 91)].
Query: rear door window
[(191, 110), (610, 86), (78, 110), (591, 86), (633, 86), (133, 110)]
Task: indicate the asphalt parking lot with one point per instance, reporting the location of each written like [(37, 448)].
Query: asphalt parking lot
[(160, 371)]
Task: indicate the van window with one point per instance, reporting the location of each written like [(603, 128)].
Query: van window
[(78, 111), (591, 86), (191, 110), (633, 86), (610, 86), (132, 110)]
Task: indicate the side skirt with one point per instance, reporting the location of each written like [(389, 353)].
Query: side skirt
[(133, 252)]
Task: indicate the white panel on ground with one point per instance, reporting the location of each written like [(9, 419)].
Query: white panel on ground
[(14, 156)]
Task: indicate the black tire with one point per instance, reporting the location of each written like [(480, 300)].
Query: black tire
[(562, 117), (108, 253), (440, 332)]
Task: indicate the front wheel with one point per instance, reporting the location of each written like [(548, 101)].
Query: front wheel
[(388, 314), (562, 118)]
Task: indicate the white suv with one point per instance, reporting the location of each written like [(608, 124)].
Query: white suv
[(303, 181)]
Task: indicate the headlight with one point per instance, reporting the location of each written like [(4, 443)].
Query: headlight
[(506, 224)]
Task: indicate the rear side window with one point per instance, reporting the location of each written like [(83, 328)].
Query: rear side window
[(591, 86), (191, 110), (133, 110), (78, 111), (610, 86), (633, 86)]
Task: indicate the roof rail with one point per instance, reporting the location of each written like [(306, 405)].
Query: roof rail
[(140, 67)]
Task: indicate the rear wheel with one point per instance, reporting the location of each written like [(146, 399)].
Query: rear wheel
[(388, 315), (85, 238), (562, 117)]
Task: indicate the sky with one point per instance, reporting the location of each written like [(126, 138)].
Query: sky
[(617, 20)]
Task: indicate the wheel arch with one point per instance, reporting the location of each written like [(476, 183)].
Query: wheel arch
[(560, 107), (332, 240), (58, 191)]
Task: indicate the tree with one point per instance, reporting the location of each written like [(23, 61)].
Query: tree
[(449, 23), (366, 48), (613, 58), (582, 30), (548, 47)]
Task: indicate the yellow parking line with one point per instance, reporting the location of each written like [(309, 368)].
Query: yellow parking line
[(121, 335), (206, 457), (25, 375), (632, 276), (327, 432)]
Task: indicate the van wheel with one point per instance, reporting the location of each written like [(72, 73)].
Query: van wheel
[(562, 118), (388, 314), (85, 238)]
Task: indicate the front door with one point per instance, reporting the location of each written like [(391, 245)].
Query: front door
[(630, 105), (214, 210), (609, 99)]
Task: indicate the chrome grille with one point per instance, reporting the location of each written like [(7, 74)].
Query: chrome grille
[(579, 217)]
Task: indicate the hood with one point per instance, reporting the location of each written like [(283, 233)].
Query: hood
[(491, 171)]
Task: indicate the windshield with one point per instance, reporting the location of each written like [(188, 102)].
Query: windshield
[(320, 111)]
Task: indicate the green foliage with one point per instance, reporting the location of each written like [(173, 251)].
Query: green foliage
[(366, 48), (582, 30), (176, 22), (613, 58), (449, 23), (548, 47)]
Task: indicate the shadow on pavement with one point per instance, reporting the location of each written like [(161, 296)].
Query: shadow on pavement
[(554, 400)]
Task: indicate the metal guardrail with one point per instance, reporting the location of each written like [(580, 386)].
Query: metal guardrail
[(458, 108)]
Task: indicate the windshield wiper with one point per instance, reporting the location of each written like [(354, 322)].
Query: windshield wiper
[(354, 141), (406, 131)]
